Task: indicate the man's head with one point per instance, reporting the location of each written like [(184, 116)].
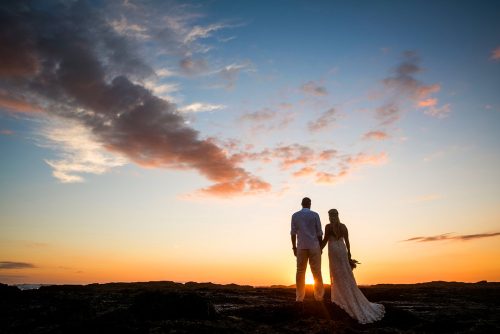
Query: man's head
[(306, 202)]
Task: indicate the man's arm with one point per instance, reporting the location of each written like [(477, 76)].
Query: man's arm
[(294, 244), (319, 231), (293, 232)]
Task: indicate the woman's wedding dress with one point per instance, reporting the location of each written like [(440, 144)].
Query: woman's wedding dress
[(345, 291)]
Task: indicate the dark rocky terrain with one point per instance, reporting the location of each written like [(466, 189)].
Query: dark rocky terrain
[(168, 307)]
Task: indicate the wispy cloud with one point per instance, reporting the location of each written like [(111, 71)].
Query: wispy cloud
[(495, 54), (231, 72), (325, 120), (267, 119), (403, 86), (201, 107), (79, 152), (6, 132), (450, 236), (17, 105), (314, 89), (375, 135), (15, 265)]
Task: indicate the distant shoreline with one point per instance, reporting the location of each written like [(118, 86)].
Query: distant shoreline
[(33, 286)]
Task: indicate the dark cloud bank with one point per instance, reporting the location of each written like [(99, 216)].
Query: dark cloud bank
[(15, 265), (64, 58)]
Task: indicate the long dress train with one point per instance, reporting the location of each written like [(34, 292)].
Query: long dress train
[(345, 291)]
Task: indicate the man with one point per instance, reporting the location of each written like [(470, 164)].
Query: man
[(306, 227)]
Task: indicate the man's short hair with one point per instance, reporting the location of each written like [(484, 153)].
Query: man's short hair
[(306, 201)]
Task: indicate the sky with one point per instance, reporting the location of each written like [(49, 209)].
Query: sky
[(164, 140)]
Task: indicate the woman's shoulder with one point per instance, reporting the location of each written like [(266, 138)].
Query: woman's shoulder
[(343, 227)]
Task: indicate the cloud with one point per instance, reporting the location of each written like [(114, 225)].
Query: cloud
[(231, 72), (441, 112), (161, 89), (123, 27), (495, 54), (327, 154), (367, 159), (326, 119), (428, 103), (79, 152), (165, 72), (262, 115), (6, 132), (375, 135), (325, 166), (15, 265), (304, 171), (313, 89), (17, 105), (199, 32), (267, 119), (450, 236), (201, 107), (402, 86), (89, 74), (193, 66), (348, 164)]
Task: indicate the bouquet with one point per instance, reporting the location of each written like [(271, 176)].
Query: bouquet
[(353, 263)]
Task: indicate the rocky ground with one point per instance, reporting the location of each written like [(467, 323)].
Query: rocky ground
[(168, 307)]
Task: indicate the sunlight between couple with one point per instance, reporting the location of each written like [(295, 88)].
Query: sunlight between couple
[(308, 243)]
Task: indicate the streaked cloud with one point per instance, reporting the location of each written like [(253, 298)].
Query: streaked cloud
[(495, 54), (17, 105), (325, 120), (375, 135), (201, 107), (450, 236), (312, 88), (15, 265), (231, 72), (199, 32), (165, 72)]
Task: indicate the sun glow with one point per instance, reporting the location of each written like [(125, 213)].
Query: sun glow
[(309, 278)]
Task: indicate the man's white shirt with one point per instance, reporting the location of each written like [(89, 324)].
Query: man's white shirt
[(307, 226)]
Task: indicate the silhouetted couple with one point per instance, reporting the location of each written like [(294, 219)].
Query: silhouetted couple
[(307, 245)]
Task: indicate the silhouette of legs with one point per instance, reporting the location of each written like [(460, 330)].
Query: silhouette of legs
[(315, 263), (314, 258)]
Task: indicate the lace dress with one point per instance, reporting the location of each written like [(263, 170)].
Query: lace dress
[(345, 291)]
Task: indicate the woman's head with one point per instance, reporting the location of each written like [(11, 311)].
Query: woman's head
[(333, 214)]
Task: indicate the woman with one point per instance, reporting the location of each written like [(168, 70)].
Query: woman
[(345, 292)]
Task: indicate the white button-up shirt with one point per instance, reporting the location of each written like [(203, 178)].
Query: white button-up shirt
[(307, 226)]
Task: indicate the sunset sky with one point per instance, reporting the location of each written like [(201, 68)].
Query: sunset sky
[(163, 140)]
